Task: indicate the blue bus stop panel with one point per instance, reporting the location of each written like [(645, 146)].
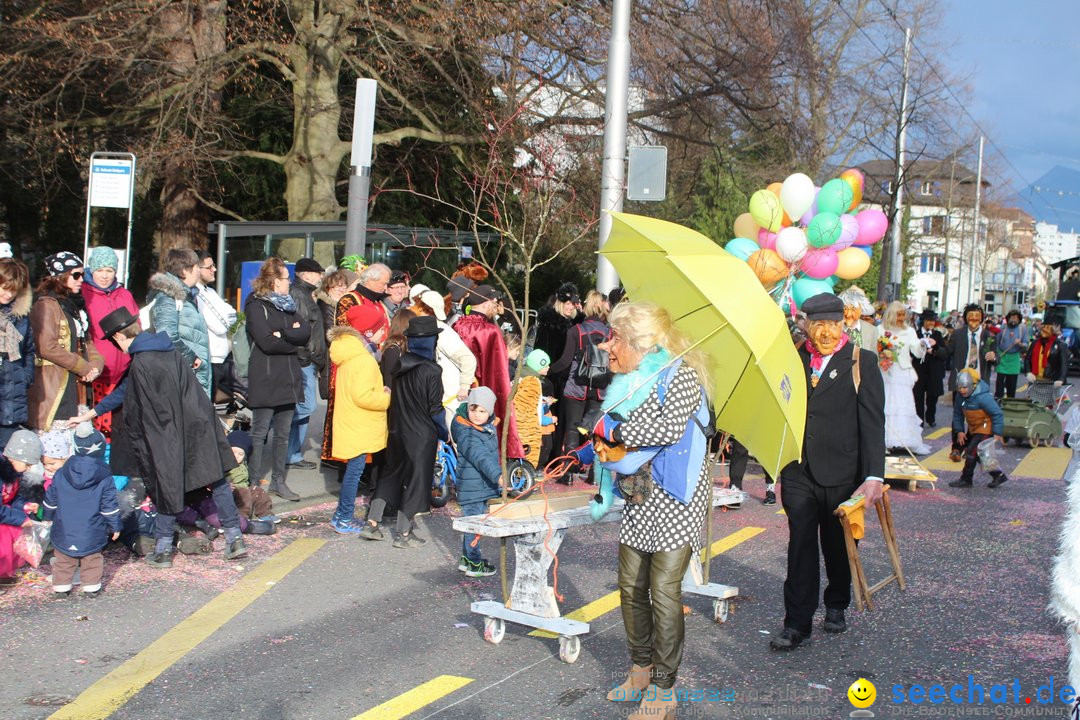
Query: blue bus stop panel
[(249, 271)]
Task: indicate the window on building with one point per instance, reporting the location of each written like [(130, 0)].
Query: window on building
[(926, 187), (886, 187), (933, 225), (932, 263)]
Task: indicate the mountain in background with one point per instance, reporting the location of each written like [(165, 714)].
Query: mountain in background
[(1054, 198)]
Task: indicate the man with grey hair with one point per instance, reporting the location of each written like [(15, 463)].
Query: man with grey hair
[(857, 308)]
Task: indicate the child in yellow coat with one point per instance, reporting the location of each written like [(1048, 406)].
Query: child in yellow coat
[(360, 404)]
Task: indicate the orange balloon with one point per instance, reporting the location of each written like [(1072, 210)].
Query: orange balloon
[(774, 188), (853, 263), (856, 182), (785, 221), (769, 267)]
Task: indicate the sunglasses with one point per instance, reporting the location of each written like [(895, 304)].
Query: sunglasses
[(78, 274)]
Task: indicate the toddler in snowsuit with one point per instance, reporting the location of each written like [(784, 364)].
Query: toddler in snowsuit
[(23, 452), (81, 502), (479, 474), (976, 410)]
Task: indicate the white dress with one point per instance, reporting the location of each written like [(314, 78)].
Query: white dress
[(902, 425)]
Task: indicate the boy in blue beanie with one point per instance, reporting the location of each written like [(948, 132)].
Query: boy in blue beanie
[(479, 474), (81, 502)]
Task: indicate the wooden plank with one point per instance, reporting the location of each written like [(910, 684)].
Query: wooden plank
[(536, 506)]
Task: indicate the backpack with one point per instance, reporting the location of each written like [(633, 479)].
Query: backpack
[(593, 369), (146, 314)]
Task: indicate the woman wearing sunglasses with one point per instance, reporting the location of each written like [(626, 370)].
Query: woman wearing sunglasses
[(66, 361)]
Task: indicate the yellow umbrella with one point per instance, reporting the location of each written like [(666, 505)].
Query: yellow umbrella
[(759, 389)]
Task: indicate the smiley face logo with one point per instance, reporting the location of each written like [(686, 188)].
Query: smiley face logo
[(862, 693)]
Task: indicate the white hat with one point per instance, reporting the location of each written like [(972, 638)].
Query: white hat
[(436, 302), (417, 289)]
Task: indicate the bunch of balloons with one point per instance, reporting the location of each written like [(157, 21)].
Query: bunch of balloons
[(800, 239)]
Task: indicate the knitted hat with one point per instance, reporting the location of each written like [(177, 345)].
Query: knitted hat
[(102, 256), (537, 360), (89, 441), (24, 446), (62, 262), (366, 317), (56, 444), (483, 397), (242, 440)]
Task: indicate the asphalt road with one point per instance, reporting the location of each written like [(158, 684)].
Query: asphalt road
[(336, 627)]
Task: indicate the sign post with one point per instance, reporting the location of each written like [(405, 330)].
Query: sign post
[(112, 185)]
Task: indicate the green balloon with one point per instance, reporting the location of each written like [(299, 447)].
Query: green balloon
[(824, 229), (805, 288), (835, 197)]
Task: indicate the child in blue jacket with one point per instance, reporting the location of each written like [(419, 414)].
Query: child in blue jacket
[(976, 417), (479, 474), (81, 502)]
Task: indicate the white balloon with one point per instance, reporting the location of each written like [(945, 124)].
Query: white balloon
[(791, 244), (797, 195)]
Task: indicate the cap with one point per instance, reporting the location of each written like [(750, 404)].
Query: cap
[(102, 256), (484, 397), (481, 294), (417, 289), (366, 317), (459, 287), (24, 446), (242, 440), (434, 301), (398, 277), (823, 306), (309, 265), (537, 360), (56, 444), (89, 441)]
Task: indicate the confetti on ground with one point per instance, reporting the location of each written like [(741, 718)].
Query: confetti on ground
[(461, 625)]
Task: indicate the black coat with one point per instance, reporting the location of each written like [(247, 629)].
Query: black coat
[(931, 369), (315, 352), (845, 432), (274, 368), (551, 330), (171, 436), (1057, 364), (404, 480), (958, 352)]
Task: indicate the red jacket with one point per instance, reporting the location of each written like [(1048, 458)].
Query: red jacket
[(100, 303), (485, 341)]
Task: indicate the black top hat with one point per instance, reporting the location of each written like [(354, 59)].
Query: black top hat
[(824, 306), (116, 321), (422, 326), (928, 314)]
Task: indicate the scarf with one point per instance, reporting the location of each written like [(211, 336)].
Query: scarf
[(423, 346), (74, 306), (817, 360), (10, 338), (1041, 356), (284, 303), (371, 294), (628, 391)]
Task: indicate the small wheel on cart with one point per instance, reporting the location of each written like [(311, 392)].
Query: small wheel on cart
[(569, 648), (494, 629), (1034, 441), (720, 610)]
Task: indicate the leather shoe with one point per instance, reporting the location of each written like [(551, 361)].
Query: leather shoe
[(834, 621), (789, 639), (302, 465), (283, 491), (956, 456)]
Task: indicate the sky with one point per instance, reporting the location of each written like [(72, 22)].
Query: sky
[(1022, 61)]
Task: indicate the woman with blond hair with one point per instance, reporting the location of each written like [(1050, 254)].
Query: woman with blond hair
[(897, 343), (657, 399)]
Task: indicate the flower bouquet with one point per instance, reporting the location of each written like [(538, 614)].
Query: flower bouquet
[(888, 345)]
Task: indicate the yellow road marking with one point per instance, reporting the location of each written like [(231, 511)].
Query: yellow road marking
[(607, 603), (939, 433), (108, 694), (940, 460), (1048, 463), (781, 511), (409, 702)]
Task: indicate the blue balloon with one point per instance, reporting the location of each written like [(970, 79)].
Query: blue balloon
[(742, 248), (805, 288), (868, 249)]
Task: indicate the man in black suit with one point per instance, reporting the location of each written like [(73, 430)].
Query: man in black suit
[(930, 371), (971, 346), (843, 456)]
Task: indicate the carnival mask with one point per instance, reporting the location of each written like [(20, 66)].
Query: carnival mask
[(825, 334), (851, 315)]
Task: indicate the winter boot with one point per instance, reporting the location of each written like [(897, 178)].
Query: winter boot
[(657, 704), (207, 529), (236, 549), (283, 491), (636, 681)]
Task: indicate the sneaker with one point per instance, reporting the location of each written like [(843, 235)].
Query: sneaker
[(406, 542), (302, 465), (92, 593), (345, 527), (463, 564), (236, 549), (480, 569), (61, 594), (770, 498), (998, 481), (372, 532)]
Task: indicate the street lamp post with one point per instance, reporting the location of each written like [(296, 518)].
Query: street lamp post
[(613, 173)]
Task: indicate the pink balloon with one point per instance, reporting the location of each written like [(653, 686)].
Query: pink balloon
[(809, 214), (820, 264), (766, 240), (849, 233), (872, 226)]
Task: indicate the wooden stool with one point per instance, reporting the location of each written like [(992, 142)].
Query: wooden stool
[(851, 514)]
